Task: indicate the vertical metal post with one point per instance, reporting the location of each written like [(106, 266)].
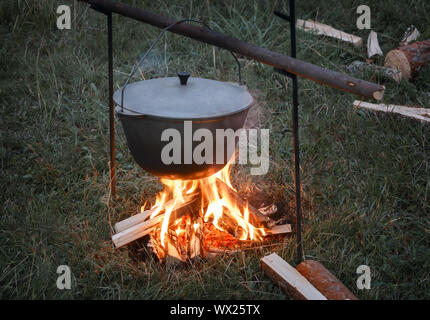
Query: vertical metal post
[(291, 18), (296, 145), (111, 109)]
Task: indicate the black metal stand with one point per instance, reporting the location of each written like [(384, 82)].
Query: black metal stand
[(112, 165), (296, 147)]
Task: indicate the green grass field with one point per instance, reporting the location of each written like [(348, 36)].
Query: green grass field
[(366, 176)]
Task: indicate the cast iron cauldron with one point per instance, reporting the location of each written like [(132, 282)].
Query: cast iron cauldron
[(147, 108)]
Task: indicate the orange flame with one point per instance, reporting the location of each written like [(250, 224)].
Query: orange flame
[(218, 203)]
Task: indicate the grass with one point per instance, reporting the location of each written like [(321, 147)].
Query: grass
[(366, 176)]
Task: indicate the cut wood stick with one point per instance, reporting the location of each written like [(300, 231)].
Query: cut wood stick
[(135, 232), (137, 218), (326, 30), (289, 279), (324, 281), (284, 228), (422, 114), (141, 217), (143, 228), (255, 216)]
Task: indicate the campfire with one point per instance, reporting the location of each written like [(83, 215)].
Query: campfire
[(199, 217)]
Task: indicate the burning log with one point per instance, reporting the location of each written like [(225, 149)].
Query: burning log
[(141, 217), (143, 228), (255, 216), (181, 243), (200, 215), (408, 59)]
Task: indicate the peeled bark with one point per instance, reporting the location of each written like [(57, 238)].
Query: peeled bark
[(324, 281)]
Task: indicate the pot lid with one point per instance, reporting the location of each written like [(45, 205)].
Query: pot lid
[(196, 98)]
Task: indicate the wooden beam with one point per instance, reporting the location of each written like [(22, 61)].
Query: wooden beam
[(326, 30), (422, 114), (280, 61), (289, 279)]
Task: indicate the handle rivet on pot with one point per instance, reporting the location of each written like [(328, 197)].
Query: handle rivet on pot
[(183, 77)]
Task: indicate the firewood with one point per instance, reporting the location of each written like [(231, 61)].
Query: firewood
[(141, 217), (323, 29), (408, 59), (221, 250), (289, 279), (422, 114), (324, 281), (268, 210), (285, 228), (387, 72), (135, 232), (255, 216), (373, 45), (143, 228), (411, 34)]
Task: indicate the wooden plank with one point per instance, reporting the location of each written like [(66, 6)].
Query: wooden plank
[(422, 114), (326, 30), (135, 232), (141, 217), (289, 279), (133, 220)]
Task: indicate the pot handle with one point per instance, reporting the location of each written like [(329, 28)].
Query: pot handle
[(136, 67)]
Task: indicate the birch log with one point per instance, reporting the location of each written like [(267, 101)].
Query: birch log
[(326, 30), (422, 114)]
